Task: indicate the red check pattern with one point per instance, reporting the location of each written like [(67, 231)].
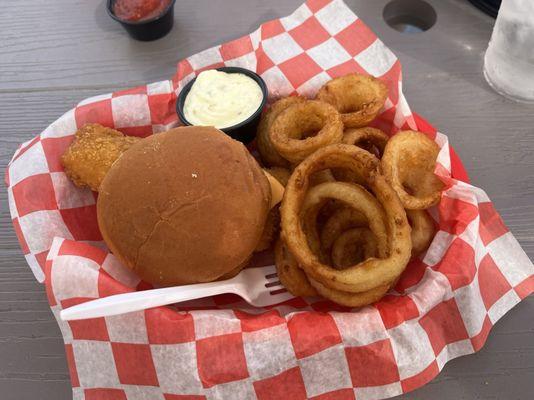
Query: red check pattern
[(219, 348)]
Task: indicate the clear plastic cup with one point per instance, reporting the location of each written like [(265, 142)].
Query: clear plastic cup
[(509, 59)]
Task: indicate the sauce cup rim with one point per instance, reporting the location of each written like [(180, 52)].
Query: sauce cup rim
[(232, 70), (109, 8)]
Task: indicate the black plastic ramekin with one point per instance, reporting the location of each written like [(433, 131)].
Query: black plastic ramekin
[(244, 131), (148, 29)]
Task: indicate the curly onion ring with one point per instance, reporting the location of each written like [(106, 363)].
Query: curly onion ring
[(370, 273), (311, 216), (321, 177), (309, 226), (290, 130), (408, 163), (349, 299), (357, 197), (291, 276), (353, 246), (423, 230), (268, 153), (338, 222), (359, 98)]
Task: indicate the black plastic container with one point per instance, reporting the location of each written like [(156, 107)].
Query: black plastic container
[(490, 7), (149, 29), (244, 131)]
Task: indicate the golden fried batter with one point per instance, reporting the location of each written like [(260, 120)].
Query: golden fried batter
[(270, 230), (93, 152), (280, 174)]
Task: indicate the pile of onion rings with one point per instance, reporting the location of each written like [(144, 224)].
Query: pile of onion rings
[(354, 208)]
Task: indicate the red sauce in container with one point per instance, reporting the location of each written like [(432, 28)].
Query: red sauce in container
[(139, 10)]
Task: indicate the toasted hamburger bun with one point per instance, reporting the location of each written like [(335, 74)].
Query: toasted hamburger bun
[(184, 206)]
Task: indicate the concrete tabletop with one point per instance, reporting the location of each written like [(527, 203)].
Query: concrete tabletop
[(56, 53)]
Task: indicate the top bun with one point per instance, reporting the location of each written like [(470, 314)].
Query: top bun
[(184, 206)]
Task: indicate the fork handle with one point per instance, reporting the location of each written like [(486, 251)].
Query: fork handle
[(136, 301)]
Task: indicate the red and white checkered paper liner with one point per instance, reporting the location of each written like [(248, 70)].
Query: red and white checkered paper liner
[(221, 348)]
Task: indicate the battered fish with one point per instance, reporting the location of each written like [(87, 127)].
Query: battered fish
[(270, 230), (93, 152)]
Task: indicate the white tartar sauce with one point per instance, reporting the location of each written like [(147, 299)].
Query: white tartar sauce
[(222, 99)]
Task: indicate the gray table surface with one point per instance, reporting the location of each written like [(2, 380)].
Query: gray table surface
[(55, 53)]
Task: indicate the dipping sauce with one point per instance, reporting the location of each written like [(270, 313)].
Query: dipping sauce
[(222, 99), (139, 10)]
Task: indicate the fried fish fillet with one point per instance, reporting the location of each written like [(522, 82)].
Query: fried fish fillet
[(270, 230), (93, 152)]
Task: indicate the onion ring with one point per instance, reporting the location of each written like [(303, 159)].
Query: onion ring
[(359, 98), (423, 230), (354, 195), (370, 273), (309, 225), (352, 247), (349, 299), (408, 163), (322, 177), (290, 128), (339, 221), (371, 139), (268, 153), (291, 276)]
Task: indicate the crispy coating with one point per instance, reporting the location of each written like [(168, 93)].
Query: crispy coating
[(349, 299), (92, 153), (280, 174), (291, 276), (423, 230), (408, 164), (291, 129), (268, 153), (352, 247), (270, 230), (339, 221), (383, 209), (272, 225), (371, 139), (357, 97)]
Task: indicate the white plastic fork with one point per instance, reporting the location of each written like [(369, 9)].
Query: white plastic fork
[(255, 285)]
